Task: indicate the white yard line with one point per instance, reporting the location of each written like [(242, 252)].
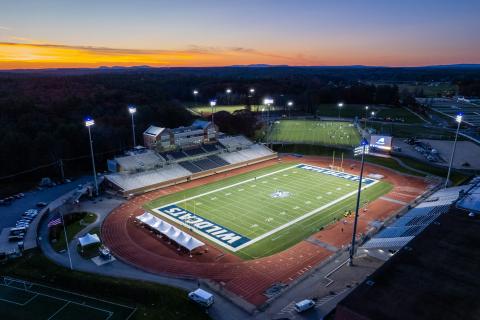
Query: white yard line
[(267, 234)]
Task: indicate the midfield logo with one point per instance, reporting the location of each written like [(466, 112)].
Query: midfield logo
[(207, 228)]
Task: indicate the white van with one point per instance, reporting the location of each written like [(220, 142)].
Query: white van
[(304, 305), (201, 297)]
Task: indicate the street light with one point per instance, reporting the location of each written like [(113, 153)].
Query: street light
[(213, 103), (366, 116), (132, 109), (362, 149), (88, 123), (268, 102), (252, 90), (458, 119), (340, 105)]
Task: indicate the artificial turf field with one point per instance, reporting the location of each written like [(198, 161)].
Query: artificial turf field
[(24, 300), (335, 133), (267, 210)]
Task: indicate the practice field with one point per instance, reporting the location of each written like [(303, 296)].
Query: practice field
[(265, 211), (25, 300), (333, 133), (202, 110)]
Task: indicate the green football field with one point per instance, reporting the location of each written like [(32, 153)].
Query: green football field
[(266, 211), (335, 133)]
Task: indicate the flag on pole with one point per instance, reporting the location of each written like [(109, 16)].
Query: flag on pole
[(56, 220)]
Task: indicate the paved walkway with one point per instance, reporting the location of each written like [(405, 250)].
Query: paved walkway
[(222, 309)]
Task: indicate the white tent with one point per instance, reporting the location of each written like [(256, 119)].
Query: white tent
[(146, 215), (182, 238), (88, 239)]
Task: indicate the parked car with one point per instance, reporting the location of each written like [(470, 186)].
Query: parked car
[(41, 204), (201, 297), (304, 305)]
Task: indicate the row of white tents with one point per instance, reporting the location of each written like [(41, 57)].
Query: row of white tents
[(182, 238)]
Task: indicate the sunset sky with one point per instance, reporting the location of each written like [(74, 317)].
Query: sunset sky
[(61, 33)]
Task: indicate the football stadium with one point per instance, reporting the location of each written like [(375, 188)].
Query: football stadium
[(204, 205)]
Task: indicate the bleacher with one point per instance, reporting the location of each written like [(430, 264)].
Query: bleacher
[(210, 147), (205, 164), (194, 152), (190, 166), (175, 155), (218, 160), (157, 168)]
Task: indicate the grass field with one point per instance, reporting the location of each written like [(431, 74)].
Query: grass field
[(268, 210), (358, 110), (203, 110), (25, 300), (315, 132)]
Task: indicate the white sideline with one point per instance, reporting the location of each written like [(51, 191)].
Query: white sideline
[(267, 234)]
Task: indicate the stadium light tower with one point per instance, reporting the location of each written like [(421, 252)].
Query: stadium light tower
[(252, 91), (290, 105), (88, 123), (458, 119), (363, 149), (195, 94), (228, 91), (340, 106), (213, 103), (268, 102), (132, 110)]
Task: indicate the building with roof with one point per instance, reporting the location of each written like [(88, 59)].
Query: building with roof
[(432, 276), (198, 132)]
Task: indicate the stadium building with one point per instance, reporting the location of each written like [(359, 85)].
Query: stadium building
[(173, 156)]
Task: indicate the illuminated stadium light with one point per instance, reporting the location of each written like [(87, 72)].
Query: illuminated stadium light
[(373, 113), (228, 91), (366, 107), (213, 103), (132, 109), (268, 101), (340, 104), (195, 92), (290, 103), (458, 119), (89, 122), (252, 90)]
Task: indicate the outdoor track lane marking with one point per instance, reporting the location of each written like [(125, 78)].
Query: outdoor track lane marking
[(403, 203)]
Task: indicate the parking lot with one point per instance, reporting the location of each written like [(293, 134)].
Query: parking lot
[(11, 213), (451, 107)]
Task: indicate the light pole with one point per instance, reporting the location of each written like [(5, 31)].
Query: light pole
[(268, 102), (366, 116), (213, 103), (88, 123), (458, 118), (132, 109), (250, 97), (359, 150), (228, 91), (195, 93), (290, 105), (339, 105)]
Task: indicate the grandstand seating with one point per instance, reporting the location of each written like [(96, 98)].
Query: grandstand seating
[(255, 151), (190, 166), (194, 152), (210, 147), (175, 155), (218, 160), (206, 164)]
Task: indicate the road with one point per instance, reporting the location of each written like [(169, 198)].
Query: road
[(10, 214)]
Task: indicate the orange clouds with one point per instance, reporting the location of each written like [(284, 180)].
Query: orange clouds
[(16, 55)]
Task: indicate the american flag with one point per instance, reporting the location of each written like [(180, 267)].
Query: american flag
[(55, 221)]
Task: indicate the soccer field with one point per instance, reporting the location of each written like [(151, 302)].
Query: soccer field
[(333, 133), (267, 210)]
